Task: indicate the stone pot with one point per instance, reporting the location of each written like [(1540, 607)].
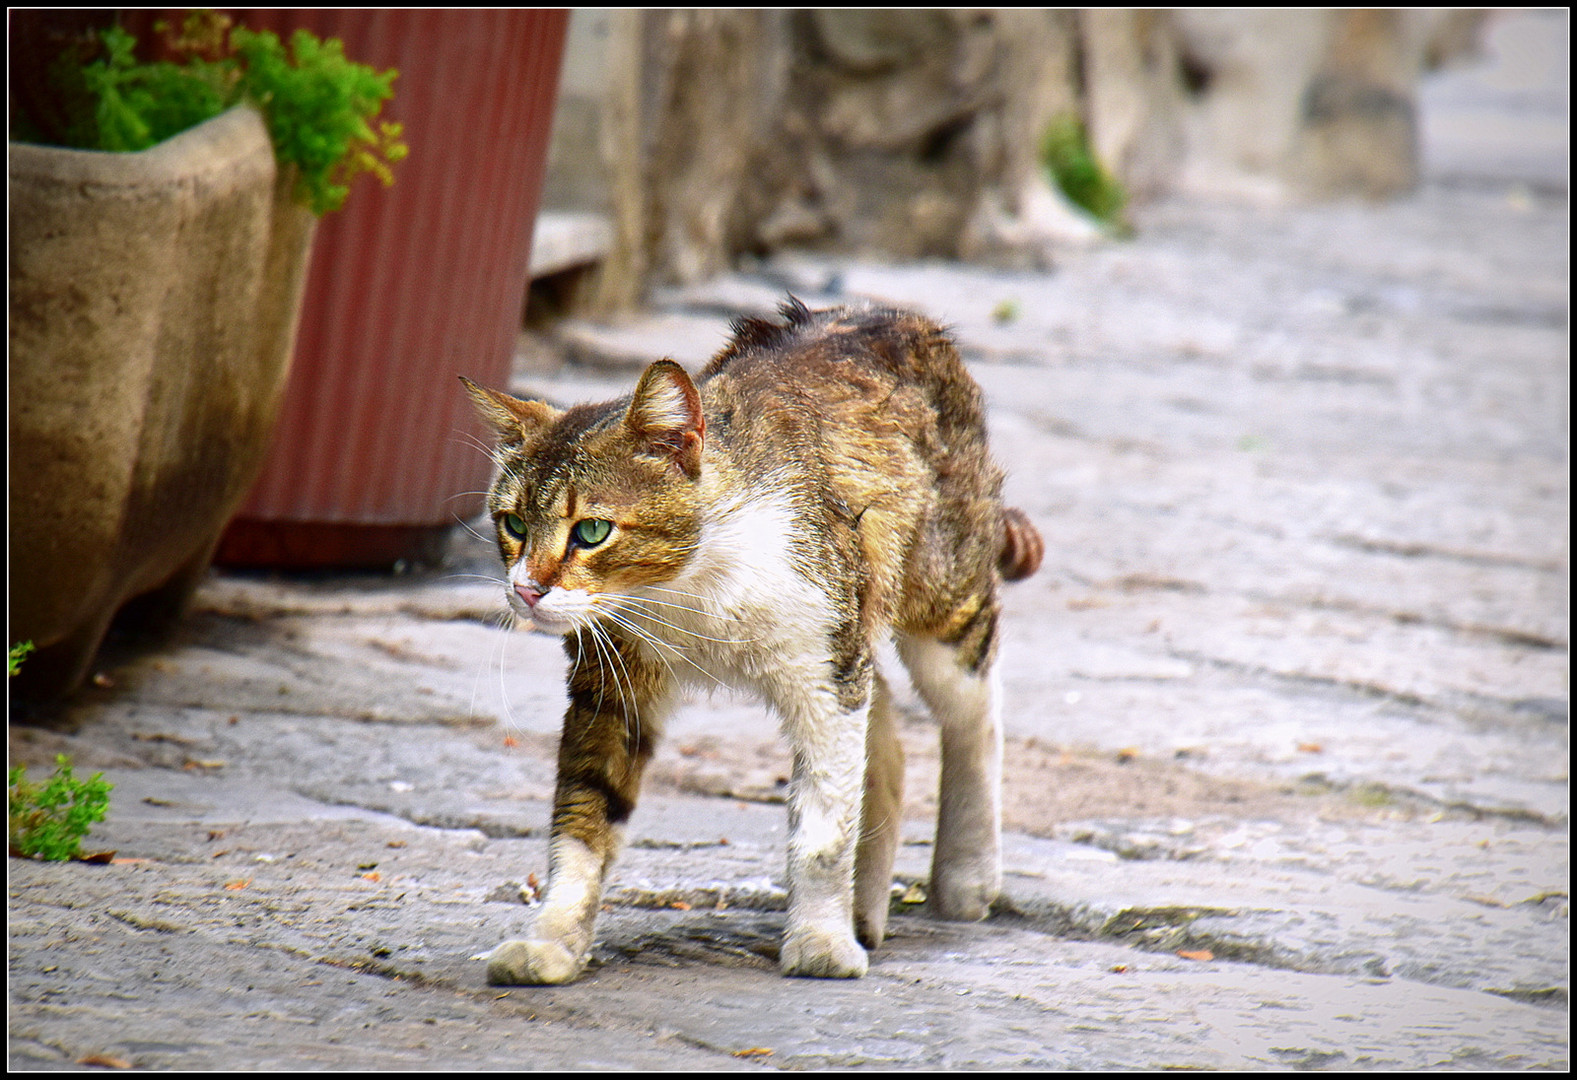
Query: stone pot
[(154, 303)]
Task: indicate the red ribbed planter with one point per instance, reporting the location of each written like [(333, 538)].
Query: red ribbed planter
[(376, 453)]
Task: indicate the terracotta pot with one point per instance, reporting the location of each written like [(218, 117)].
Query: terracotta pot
[(411, 286), (154, 299)]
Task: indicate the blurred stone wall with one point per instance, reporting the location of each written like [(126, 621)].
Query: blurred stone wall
[(709, 134)]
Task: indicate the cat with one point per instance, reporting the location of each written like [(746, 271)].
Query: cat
[(823, 482)]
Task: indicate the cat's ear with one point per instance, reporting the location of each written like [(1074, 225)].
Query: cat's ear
[(515, 421), (665, 414)]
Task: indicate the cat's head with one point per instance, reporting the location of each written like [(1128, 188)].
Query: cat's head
[(595, 500)]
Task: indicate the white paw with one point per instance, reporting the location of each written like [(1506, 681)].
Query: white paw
[(819, 952), (532, 963)]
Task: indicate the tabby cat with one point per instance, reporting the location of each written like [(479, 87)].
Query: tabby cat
[(824, 481)]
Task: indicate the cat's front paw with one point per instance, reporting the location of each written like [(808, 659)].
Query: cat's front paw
[(532, 963), (819, 952)]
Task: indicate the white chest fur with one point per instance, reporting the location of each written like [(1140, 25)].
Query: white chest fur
[(741, 613)]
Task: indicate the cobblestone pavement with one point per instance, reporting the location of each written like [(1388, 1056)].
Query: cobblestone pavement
[(1287, 706)]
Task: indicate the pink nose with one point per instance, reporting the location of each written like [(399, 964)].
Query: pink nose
[(529, 595)]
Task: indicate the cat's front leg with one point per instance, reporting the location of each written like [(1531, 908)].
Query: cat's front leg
[(610, 732), (562, 935), (824, 816)]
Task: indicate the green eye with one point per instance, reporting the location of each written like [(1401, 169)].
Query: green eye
[(515, 526), (592, 531)]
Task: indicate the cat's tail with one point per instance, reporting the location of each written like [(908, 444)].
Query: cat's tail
[(1022, 546)]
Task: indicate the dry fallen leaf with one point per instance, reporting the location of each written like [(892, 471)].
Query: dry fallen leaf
[(1196, 954), (511, 742), (237, 885), (160, 736), (679, 905), (104, 1061), (372, 875), (1127, 753), (1310, 748), (1486, 901), (1120, 969), (914, 894), (754, 1051)]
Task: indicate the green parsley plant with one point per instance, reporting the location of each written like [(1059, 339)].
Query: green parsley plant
[(319, 106), (49, 820)]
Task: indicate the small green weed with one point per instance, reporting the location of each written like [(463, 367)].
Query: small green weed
[(1065, 152), (49, 820)]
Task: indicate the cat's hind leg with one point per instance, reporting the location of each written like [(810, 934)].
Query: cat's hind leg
[(881, 815), (958, 682), (618, 700)]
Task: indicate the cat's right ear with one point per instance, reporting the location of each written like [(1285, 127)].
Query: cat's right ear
[(516, 421), (665, 414)]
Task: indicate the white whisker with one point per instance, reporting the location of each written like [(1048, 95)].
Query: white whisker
[(642, 635), (669, 604), (625, 698), (477, 577), (711, 607), (658, 644), (465, 438), (466, 525), (623, 602)]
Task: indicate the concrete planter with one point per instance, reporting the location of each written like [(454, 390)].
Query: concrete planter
[(154, 302)]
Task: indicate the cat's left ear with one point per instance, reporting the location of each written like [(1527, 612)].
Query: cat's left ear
[(665, 414), (515, 421)]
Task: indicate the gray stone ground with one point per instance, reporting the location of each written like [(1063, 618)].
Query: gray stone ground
[(1286, 707)]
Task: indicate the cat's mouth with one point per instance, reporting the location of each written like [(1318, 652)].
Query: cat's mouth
[(556, 625), (555, 612)]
